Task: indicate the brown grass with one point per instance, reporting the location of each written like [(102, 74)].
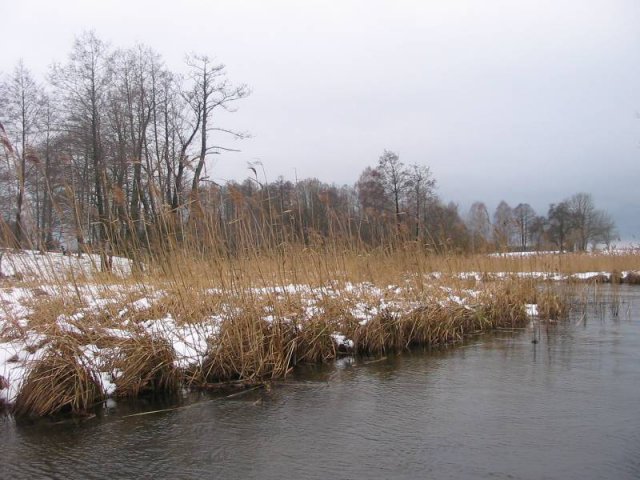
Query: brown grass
[(436, 324), (248, 348), (552, 304), (59, 382), (252, 346), (145, 365), (313, 341), (264, 333)]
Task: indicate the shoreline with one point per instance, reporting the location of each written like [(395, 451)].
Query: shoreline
[(67, 343), (61, 357)]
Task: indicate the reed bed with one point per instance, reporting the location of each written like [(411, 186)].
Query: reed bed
[(235, 290), (255, 337), (191, 318)]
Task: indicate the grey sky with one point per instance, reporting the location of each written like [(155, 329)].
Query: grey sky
[(521, 100)]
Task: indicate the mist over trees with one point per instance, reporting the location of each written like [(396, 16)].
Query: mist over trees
[(111, 153)]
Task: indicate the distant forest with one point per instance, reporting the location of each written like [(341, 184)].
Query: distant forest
[(111, 152)]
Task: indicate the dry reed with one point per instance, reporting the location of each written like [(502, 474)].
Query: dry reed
[(144, 365), (259, 327), (60, 381)]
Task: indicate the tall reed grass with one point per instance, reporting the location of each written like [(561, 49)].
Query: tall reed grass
[(248, 302)]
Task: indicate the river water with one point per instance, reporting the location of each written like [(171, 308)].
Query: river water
[(499, 406)]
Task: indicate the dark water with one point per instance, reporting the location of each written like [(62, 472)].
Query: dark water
[(496, 407)]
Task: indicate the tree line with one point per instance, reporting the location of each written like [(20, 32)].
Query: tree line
[(111, 143), (110, 153), (573, 224)]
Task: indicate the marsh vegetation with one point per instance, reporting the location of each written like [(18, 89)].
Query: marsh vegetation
[(126, 270)]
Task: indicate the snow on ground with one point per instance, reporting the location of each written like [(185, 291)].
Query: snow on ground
[(342, 341), (22, 343), (15, 358), (531, 309), (524, 254), (32, 264), (189, 341), (544, 276), (628, 249)]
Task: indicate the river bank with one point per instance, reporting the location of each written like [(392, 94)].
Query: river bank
[(70, 338)]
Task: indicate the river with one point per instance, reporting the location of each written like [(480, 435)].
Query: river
[(498, 406)]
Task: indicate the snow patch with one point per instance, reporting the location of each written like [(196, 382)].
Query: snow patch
[(342, 341), (531, 309)]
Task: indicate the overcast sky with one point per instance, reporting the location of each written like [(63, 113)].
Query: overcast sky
[(521, 100)]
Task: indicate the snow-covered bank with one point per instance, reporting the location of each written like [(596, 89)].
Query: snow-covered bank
[(103, 324), (631, 277), (615, 250), (133, 335)]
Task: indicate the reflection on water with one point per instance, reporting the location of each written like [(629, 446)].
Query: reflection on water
[(497, 407)]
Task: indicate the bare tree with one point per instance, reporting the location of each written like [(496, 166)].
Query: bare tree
[(591, 225), (185, 127), (523, 216), (503, 225), (421, 185), (130, 118), (479, 225), (82, 85), (371, 191), (603, 229), (396, 180), (560, 224), (23, 104), (8, 161), (582, 211), (48, 171), (537, 229), (445, 229), (212, 92)]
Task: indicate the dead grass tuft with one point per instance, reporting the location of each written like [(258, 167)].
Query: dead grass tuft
[(260, 327), (551, 305), (60, 381), (503, 307), (46, 310), (248, 347), (144, 365), (382, 333), (313, 341)]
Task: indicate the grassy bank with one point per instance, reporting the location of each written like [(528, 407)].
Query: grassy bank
[(72, 336)]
